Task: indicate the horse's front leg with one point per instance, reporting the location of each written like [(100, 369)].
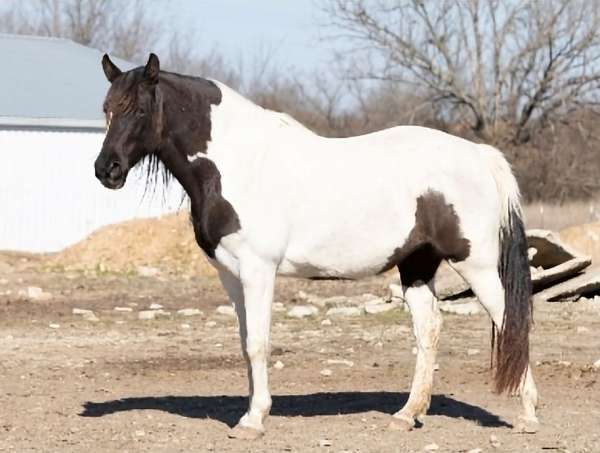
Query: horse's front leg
[(258, 280)]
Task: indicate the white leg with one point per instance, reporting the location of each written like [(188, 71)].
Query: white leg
[(258, 281), (485, 283), (235, 291), (427, 323)]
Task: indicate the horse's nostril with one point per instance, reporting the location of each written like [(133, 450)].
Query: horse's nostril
[(114, 170)]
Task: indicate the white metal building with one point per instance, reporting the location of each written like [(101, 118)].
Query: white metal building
[(51, 130)]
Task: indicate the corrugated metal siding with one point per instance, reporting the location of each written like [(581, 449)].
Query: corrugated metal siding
[(50, 198)]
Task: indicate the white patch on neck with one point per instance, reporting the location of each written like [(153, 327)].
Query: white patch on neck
[(198, 155)]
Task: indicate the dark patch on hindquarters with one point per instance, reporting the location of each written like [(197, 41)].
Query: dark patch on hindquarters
[(213, 217), (435, 236)]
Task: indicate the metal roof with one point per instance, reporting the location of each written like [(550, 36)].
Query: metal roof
[(51, 83)]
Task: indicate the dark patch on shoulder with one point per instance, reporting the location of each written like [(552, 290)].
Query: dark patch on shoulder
[(435, 236), (213, 217)]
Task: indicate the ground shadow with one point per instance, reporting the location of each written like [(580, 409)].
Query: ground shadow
[(228, 409)]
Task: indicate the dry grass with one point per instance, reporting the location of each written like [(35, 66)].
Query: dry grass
[(166, 243), (560, 216)]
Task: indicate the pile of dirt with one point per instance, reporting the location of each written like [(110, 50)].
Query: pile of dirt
[(162, 245), (584, 238)]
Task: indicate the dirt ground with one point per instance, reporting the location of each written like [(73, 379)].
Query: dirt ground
[(177, 384)]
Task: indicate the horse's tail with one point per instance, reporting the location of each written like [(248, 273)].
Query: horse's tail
[(510, 341)]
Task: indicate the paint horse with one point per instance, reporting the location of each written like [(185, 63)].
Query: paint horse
[(268, 197)]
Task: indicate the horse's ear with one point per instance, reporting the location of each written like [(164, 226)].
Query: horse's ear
[(152, 69), (110, 69)]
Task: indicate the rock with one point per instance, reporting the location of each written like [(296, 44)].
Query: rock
[(302, 311), (464, 308), (155, 306), (226, 310), (210, 324), (348, 363), (475, 450), (543, 278), (326, 322), (326, 372), (586, 283), (397, 292), (431, 447), (345, 311), (596, 364), (582, 329), (91, 317), (550, 249), (278, 307), (494, 442), (278, 365), (147, 271), (185, 326), (473, 351), (189, 312), (35, 294), (379, 307), (81, 311), (146, 315), (54, 326), (367, 298), (328, 302), (325, 443), (123, 309)]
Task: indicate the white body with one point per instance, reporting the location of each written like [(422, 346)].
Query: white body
[(316, 207), (320, 207)]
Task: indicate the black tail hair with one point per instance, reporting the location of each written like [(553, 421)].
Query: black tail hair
[(510, 342)]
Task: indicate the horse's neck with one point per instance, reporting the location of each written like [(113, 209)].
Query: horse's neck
[(235, 120), (240, 126)]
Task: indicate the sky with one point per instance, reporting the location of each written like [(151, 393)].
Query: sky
[(287, 28)]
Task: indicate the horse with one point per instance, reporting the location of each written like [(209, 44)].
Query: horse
[(270, 197)]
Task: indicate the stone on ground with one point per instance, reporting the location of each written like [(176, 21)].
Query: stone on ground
[(345, 311), (302, 311), (226, 310), (189, 312)]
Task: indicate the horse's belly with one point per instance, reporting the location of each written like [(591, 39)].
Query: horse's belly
[(339, 259)]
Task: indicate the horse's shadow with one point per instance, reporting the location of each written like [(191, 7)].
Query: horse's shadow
[(228, 409)]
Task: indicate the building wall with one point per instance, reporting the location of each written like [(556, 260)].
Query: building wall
[(50, 198)]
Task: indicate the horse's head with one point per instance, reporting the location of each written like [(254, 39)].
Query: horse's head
[(134, 109)]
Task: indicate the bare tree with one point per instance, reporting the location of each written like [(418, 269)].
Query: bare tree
[(125, 29), (503, 67)]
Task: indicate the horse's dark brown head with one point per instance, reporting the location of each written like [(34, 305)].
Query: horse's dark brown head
[(134, 109)]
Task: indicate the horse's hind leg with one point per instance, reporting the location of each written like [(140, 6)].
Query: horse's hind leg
[(485, 283), (427, 323)]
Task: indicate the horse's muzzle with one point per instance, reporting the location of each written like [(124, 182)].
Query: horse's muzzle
[(111, 174)]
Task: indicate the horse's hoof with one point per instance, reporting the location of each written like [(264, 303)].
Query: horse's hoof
[(400, 424), (244, 433), (527, 426)]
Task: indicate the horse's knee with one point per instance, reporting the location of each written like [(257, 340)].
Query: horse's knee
[(256, 349)]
